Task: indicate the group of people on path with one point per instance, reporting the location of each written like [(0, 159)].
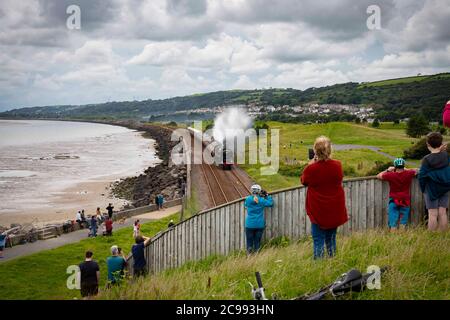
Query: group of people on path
[(94, 222), (325, 197)]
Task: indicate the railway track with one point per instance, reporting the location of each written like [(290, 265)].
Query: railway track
[(222, 186)]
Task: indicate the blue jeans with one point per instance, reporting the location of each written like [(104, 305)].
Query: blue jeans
[(397, 214), (322, 237), (253, 236)]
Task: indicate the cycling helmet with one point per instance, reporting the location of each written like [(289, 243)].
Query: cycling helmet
[(399, 162), (256, 188)]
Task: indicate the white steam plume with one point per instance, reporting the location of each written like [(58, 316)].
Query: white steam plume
[(230, 123)]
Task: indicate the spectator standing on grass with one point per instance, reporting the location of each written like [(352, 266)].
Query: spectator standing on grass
[(2, 243), (254, 221), (89, 276), (110, 208), (325, 197), (399, 205), (116, 264), (434, 179), (446, 115), (138, 249)]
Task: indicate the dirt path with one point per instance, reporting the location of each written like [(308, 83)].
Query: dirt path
[(67, 238)]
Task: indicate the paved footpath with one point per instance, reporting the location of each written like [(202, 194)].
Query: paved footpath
[(66, 238)]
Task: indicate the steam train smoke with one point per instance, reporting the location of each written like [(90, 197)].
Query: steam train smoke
[(230, 123)]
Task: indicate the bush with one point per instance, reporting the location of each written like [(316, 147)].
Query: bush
[(379, 166), (376, 123), (417, 126), (350, 171), (417, 151)]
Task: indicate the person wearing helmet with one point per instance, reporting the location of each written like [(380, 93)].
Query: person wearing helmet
[(399, 180), (254, 221)]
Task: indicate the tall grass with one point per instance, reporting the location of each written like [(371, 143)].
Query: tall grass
[(419, 264)]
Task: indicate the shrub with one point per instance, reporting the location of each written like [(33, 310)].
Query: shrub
[(417, 151), (417, 126), (349, 171), (379, 166)]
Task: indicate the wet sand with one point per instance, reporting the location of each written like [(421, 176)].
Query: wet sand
[(65, 204)]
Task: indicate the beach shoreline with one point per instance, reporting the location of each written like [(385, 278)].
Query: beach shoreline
[(124, 192)]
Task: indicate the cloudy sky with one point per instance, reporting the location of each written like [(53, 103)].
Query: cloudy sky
[(136, 49)]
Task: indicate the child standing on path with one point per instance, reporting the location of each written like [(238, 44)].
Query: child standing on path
[(400, 180)]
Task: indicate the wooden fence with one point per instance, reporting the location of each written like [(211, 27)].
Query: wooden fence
[(220, 230)]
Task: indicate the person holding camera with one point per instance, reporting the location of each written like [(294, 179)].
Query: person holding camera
[(255, 222), (325, 197)]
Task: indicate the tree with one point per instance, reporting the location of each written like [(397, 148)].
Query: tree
[(357, 120), (417, 126), (376, 123)]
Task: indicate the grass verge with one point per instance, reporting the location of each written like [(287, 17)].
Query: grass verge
[(43, 275), (418, 261)]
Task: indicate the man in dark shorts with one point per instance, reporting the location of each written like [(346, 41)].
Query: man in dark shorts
[(89, 276), (140, 264)]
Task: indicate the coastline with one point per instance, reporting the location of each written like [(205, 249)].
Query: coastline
[(123, 192)]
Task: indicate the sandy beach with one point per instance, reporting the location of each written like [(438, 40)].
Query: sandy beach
[(65, 204), (50, 180)]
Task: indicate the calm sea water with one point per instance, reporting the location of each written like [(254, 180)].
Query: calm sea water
[(40, 158)]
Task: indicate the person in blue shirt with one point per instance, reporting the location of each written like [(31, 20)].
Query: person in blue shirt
[(2, 243), (254, 221), (116, 265), (138, 251)]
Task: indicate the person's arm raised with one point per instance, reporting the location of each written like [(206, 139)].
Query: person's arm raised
[(146, 240)]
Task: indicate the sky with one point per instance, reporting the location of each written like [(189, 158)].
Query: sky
[(152, 49)]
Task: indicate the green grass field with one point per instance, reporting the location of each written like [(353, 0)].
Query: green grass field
[(43, 275), (295, 139), (418, 262)]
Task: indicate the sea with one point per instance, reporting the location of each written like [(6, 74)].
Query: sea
[(41, 159)]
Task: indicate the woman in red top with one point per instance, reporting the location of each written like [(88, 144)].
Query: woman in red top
[(325, 198), (446, 115)]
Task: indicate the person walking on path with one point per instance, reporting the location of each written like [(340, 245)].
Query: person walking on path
[(434, 180), (325, 197), (89, 276), (2, 243), (108, 227), (79, 220), (136, 228), (116, 264), (110, 208), (254, 221), (399, 205), (159, 201), (140, 263), (94, 226)]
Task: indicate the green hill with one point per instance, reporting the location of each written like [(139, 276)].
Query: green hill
[(393, 99)]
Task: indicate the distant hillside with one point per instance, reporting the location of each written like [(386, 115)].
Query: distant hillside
[(393, 99)]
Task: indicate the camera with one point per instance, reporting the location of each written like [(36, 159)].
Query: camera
[(311, 154), (263, 193)]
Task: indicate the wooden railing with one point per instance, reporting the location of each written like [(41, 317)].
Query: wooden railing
[(220, 230)]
